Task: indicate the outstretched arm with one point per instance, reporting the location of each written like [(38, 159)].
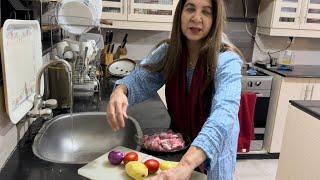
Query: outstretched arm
[(140, 85)]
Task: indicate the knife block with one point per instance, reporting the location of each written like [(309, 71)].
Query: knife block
[(120, 53), (107, 59)]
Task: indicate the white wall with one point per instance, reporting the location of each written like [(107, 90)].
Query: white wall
[(306, 50), (139, 42)]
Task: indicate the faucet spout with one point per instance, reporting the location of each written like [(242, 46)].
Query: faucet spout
[(45, 66)]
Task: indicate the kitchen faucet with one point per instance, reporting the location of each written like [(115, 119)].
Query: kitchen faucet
[(44, 108)]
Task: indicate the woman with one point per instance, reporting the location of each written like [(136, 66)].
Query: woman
[(201, 70)]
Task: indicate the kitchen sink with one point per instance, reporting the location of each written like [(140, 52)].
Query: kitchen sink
[(82, 137)]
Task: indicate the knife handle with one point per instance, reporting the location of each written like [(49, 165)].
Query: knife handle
[(124, 41)]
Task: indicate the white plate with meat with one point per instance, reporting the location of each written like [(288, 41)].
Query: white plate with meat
[(163, 141)]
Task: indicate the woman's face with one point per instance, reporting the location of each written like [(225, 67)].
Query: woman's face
[(196, 19)]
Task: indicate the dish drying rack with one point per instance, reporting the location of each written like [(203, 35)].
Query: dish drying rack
[(53, 22), (85, 80)]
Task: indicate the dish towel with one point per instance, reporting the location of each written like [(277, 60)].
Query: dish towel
[(246, 122)]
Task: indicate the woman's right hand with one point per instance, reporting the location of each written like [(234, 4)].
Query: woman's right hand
[(117, 108)]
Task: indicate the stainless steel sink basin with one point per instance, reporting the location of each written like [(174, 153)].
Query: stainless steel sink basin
[(83, 139)]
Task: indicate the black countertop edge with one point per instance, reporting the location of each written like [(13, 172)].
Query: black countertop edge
[(247, 156), (310, 107), (299, 71)]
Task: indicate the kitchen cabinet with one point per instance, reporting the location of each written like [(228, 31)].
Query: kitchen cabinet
[(298, 18), (310, 16), (290, 89), (139, 14), (283, 90), (114, 10), (299, 157)]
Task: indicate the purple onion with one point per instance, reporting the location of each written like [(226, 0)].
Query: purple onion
[(115, 157)]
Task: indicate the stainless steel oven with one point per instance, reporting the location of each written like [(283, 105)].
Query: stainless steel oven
[(259, 83)]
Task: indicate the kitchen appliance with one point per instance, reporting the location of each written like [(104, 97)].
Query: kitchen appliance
[(102, 169), (261, 84)]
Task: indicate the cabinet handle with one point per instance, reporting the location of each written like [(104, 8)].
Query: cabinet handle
[(305, 92), (311, 92), (106, 22)]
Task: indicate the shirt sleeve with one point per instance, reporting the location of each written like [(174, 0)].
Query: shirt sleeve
[(141, 83), (217, 130)]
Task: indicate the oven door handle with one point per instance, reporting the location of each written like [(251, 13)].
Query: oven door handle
[(259, 94)]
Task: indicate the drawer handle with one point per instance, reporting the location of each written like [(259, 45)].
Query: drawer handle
[(106, 22)]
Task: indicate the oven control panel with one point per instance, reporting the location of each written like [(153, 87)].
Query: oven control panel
[(261, 85)]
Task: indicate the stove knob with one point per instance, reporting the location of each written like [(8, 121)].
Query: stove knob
[(258, 83), (250, 83)]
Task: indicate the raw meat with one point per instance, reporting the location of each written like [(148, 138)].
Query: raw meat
[(163, 142)]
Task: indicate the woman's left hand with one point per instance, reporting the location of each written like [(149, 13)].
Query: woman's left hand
[(181, 172)]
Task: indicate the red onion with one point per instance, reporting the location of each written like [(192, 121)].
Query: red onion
[(115, 157)]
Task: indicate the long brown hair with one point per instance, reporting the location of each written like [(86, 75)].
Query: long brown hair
[(215, 42)]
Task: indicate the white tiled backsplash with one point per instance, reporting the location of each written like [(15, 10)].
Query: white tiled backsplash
[(140, 43), (10, 134), (306, 50)]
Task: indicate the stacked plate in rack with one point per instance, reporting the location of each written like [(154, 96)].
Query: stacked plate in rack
[(78, 16)]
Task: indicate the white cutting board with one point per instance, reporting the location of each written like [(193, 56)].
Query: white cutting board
[(101, 169), (21, 57)]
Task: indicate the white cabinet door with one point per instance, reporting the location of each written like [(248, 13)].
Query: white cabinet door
[(299, 157), (287, 14), (311, 15), (315, 89), (114, 9), (151, 10), (291, 89)]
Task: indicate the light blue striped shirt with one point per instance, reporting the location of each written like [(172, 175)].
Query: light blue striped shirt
[(218, 137)]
